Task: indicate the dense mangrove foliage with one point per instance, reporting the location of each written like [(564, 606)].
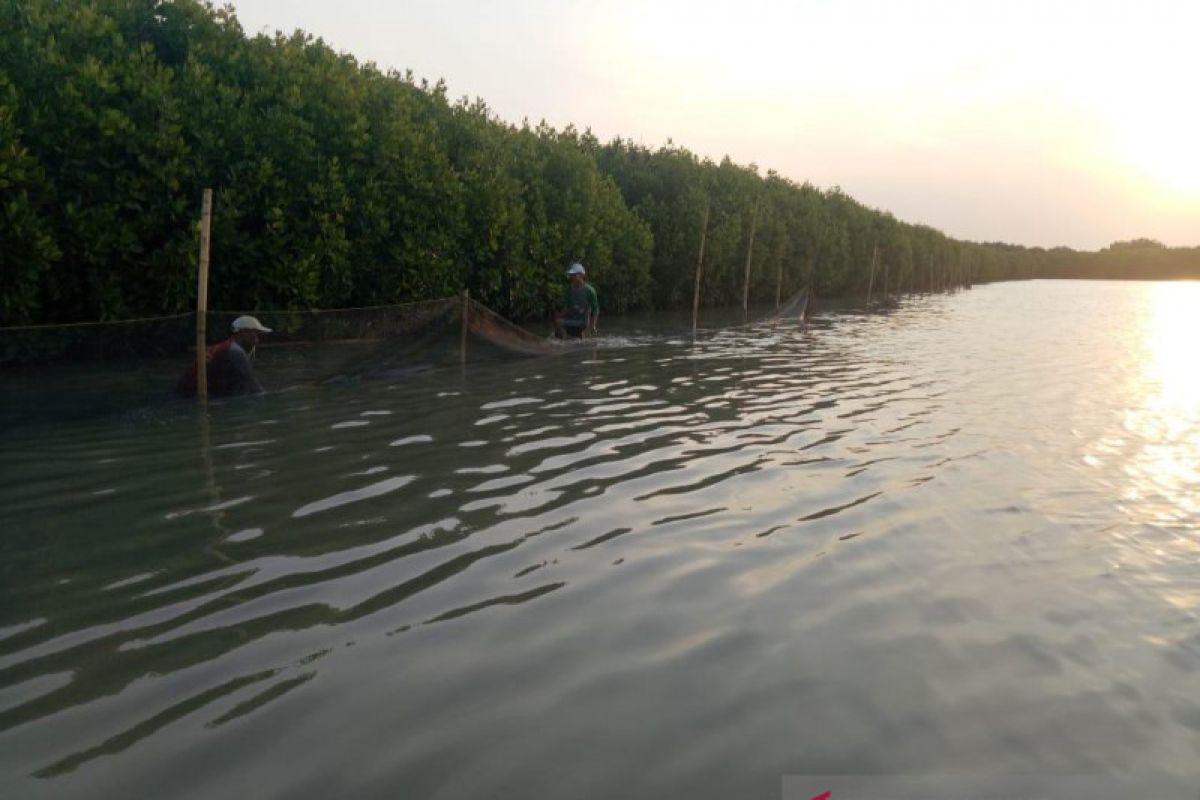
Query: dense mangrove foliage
[(337, 184)]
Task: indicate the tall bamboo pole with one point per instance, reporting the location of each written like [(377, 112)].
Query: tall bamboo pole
[(202, 299), (466, 314), (871, 280), (779, 271), (699, 270), (749, 255)]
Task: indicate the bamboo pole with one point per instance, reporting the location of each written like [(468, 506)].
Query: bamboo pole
[(202, 299), (749, 256), (779, 273), (699, 271), (466, 314), (886, 268), (214, 492), (871, 280)]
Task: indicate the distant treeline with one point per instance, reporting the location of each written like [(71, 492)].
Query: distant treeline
[(1140, 259), (339, 185)]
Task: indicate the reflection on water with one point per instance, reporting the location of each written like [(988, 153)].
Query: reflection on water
[(1164, 476), (956, 537)]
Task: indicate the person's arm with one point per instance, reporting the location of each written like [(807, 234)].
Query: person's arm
[(595, 303), (239, 363)]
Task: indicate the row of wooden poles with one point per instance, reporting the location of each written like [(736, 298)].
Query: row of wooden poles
[(746, 282), (202, 299), (202, 302), (939, 280), (745, 277), (202, 287)]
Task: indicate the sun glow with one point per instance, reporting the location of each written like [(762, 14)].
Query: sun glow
[(1170, 344), (1164, 151), (1166, 471)]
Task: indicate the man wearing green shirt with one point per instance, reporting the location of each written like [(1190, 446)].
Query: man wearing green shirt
[(581, 310)]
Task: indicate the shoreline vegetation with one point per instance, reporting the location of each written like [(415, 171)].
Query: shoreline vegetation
[(339, 185)]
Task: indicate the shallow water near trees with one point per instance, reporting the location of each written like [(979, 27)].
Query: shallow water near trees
[(959, 536)]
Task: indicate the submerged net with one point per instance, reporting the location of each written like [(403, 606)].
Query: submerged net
[(797, 308), (56, 372), (323, 345), (396, 328), (97, 341), (490, 327), (433, 334), (352, 326)]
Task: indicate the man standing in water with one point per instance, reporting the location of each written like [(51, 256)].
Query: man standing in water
[(581, 309), (229, 370)]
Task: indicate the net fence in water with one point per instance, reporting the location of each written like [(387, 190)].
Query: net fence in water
[(797, 308), (490, 327), (97, 341), (341, 325), (396, 328), (423, 336), (57, 372)]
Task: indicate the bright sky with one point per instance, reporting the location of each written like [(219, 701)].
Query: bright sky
[(1068, 122)]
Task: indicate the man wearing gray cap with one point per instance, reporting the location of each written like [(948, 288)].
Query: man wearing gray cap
[(580, 309), (229, 370)]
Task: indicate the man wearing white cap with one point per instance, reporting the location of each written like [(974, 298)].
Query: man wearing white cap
[(229, 370), (581, 308)]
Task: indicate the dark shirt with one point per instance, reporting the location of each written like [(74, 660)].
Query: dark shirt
[(229, 372)]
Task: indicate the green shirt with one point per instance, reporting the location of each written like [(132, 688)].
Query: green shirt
[(579, 301)]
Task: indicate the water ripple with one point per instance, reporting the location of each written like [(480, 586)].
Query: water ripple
[(848, 545)]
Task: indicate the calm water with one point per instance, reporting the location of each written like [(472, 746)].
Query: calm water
[(960, 536)]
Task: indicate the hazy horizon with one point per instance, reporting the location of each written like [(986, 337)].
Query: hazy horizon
[(1042, 127)]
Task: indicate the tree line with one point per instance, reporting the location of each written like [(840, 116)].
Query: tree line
[(338, 184)]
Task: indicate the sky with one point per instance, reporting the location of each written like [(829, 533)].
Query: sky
[(1048, 123)]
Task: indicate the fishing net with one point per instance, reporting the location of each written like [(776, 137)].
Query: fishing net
[(495, 330), (417, 337), (62, 371), (98, 341), (392, 329), (797, 308), (352, 326)]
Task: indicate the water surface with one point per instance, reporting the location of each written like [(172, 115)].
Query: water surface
[(959, 536)]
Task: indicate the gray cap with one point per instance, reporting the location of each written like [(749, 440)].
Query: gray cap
[(249, 324)]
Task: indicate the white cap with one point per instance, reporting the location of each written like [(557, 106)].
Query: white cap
[(249, 324), (576, 269)]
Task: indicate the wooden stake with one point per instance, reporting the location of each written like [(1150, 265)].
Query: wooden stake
[(466, 315), (202, 299), (779, 275), (699, 271), (749, 255), (871, 280)]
